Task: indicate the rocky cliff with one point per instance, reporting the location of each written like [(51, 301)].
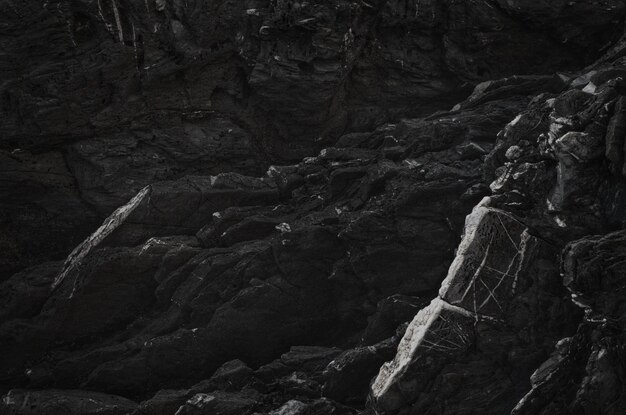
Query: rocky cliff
[(283, 207)]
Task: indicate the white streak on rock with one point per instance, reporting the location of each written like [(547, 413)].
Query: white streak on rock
[(391, 373), (471, 225), (110, 224), (118, 22)]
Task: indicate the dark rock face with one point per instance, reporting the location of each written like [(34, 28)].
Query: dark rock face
[(395, 258), (66, 402), (502, 306), (100, 99), (475, 343), (591, 360)]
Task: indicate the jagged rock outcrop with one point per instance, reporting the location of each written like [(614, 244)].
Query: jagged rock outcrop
[(478, 251), (101, 98), (143, 304), (500, 308), (558, 171), (586, 371)]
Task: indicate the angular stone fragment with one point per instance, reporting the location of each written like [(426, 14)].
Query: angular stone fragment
[(438, 332), (493, 263), (348, 376)]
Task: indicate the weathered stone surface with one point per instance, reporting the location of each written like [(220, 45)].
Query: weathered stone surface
[(614, 141), (25, 292), (585, 373), (291, 407), (488, 323), (317, 407), (219, 403), (43, 217), (437, 332), (230, 378), (212, 289), (69, 402), (318, 257), (109, 172), (392, 312), (305, 358), (347, 377), (493, 264), (102, 99)]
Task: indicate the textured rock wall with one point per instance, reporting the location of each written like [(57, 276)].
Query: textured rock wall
[(560, 173), (411, 259), (101, 98)]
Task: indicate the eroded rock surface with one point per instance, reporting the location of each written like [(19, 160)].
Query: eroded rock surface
[(557, 172), (395, 258), (190, 274), (487, 326), (69, 402), (590, 360), (99, 99)]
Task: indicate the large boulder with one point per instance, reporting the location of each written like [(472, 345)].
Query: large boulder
[(499, 310)]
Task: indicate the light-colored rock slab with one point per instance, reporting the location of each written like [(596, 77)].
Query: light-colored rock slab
[(436, 333)]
